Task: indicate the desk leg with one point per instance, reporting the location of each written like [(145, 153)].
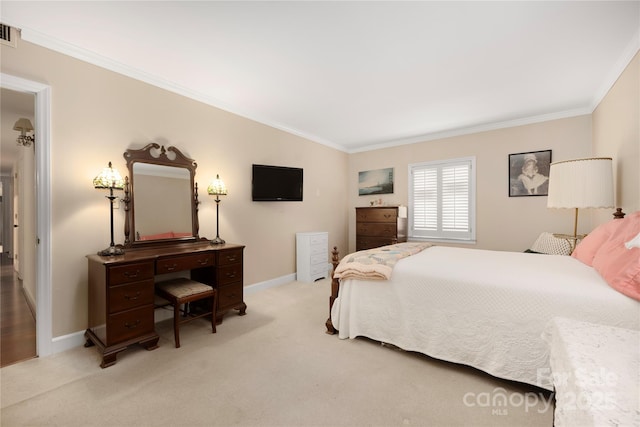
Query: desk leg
[(242, 309), (150, 344)]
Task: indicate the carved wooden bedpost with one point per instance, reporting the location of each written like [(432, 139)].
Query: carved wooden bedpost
[(335, 286)]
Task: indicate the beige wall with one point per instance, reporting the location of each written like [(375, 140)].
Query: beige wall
[(97, 114), (616, 134), (503, 222)]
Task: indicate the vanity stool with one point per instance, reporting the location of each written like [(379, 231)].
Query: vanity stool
[(183, 291)]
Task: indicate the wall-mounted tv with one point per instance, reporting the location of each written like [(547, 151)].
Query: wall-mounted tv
[(276, 184)]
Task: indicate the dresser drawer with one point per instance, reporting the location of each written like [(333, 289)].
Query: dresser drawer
[(186, 262), (318, 239), (129, 324), (377, 214), (363, 243), (377, 229), (318, 268), (130, 273), (229, 274), (230, 257), (131, 295), (322, 258), (229, 296), (318, 249)]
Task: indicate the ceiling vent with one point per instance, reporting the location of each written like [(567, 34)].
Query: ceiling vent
[(8, 35)]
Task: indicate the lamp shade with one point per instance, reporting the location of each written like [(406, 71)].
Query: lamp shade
[(581, 183), (109, 178), (23, 125), (217, 187)]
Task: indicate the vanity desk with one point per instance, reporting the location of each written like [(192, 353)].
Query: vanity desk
[(121, 290), (160, 237)]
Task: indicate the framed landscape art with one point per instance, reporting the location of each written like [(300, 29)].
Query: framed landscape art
[(379, 181)]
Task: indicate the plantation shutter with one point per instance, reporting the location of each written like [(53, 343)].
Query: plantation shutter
[(441, 197)]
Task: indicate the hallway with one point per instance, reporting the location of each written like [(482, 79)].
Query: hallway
[(17, 322)]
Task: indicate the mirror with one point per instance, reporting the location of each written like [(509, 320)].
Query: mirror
[(161, 198)]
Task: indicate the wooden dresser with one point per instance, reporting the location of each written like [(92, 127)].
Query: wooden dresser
[(121, 290), (379, 226)]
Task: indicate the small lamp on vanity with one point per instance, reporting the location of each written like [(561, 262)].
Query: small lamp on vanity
[(579, 184), (110, 178), (217, 188)]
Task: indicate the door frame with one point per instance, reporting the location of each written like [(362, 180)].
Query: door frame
[(44, 314)]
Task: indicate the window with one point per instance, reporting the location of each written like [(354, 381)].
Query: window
[(442, 200)]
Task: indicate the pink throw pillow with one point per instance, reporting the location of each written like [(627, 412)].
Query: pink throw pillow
[(620, 267), (617, 264), (628, 229), (587, 248)]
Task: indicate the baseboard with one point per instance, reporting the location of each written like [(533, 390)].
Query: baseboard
[(67, 342), (278, 281), (76, 339), (31, 302)]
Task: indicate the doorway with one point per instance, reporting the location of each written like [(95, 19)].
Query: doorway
[(18, 233), (42, 213)]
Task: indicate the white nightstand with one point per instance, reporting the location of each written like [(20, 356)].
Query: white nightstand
[(312, 255)]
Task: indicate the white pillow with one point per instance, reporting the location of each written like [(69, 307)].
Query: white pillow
[(546, 243), (633, 243)]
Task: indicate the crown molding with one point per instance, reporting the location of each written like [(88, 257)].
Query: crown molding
[(476, 129), (85, 55)]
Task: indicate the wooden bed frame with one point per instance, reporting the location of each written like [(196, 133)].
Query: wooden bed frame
[(335, 282), (335, 287)]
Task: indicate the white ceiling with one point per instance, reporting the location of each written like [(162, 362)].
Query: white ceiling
[(356, 75)]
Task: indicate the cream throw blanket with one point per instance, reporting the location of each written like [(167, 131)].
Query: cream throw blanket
[(377, 263)]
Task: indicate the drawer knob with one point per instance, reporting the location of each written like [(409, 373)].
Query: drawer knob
[(171, 267), (231, 258), (132, 325), (132, 298), (203, 262), (231, 275), (131, 274)]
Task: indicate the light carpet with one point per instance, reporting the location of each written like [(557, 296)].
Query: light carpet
[(275, 366)]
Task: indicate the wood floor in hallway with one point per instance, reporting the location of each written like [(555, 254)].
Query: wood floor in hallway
[(17, 322)]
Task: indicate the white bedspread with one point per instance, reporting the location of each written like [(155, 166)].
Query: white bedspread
[(486, 309)]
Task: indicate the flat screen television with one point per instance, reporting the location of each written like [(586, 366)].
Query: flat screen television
[(276, 184)]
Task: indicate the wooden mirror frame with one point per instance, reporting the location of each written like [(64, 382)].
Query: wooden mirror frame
[(145, 155)]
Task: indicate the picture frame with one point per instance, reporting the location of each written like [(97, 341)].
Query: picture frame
[(529, 173), (373, 182)]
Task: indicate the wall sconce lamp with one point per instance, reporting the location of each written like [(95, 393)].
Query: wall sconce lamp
[(217, 188), (578, 184), (110, 178), (24, 125)]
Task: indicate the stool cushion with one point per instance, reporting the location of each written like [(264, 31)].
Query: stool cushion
[(183, 287)]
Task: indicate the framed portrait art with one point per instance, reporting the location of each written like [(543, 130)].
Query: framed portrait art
[(529, 173)]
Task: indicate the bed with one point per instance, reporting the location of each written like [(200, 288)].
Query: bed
[(482, 308)]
